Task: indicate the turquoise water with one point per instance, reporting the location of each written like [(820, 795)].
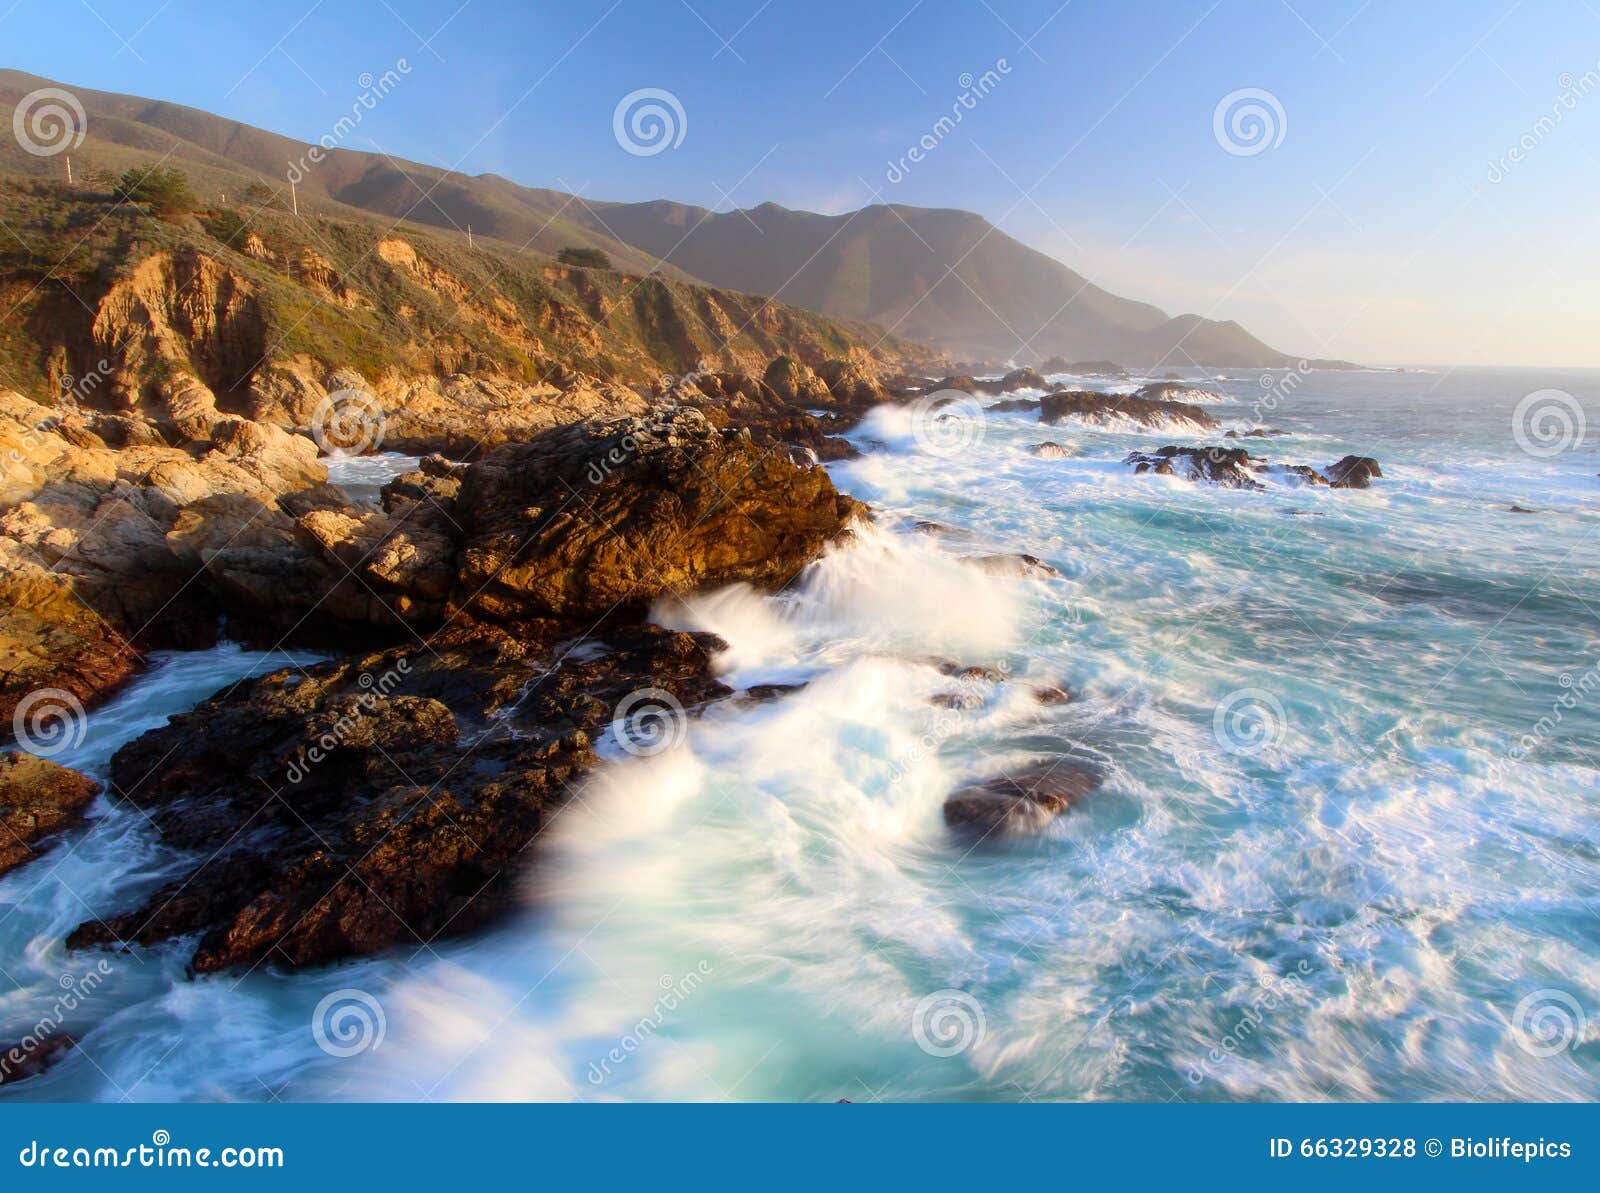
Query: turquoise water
[(1344, 847)]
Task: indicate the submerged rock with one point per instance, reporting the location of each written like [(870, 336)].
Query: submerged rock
[(1050, 450), (1094, 407), (29, 1058), (1025, 567), (1020, 804)]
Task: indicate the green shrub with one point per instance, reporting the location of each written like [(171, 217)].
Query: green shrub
[(163, 190), (584, 258)]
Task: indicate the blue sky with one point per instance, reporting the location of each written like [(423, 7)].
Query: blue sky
[(1387, 224)]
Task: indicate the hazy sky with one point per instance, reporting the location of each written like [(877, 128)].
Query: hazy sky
[(1383, 219)]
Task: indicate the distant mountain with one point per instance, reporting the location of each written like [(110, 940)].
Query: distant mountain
[(945, 278)]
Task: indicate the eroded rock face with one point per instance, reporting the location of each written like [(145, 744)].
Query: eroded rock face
[(382, 800), (38, 799), (1100, 408), (1020, 804), (589, 519), (89, 569)]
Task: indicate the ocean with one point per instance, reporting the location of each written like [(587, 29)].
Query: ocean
[(1345, 844)]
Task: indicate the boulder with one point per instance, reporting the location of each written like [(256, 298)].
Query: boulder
[(585, 520), (1352, 472), (38, 799), (1020, 804)]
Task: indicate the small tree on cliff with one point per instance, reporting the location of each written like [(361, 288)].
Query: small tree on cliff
[(584, 258), (163, 190)]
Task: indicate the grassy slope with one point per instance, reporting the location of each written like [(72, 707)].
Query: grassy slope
[(329, 293)]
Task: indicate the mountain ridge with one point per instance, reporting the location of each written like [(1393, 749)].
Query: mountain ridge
[(942, 276)]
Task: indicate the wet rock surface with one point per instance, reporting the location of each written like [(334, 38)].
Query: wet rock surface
[(1236, 468), (1102, 408), (1022, 803), (382, 800)]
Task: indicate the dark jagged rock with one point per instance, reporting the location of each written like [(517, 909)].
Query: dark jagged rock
[(38, 799), (381, 800), (1235, 468), (1095, 407), (1254, 433), (591, 518), (1352, 472), (1051, 451), (1226, 466), (1051, 694), (1020, 804)]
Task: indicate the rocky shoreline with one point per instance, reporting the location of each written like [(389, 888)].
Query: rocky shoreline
[(488, 614)]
